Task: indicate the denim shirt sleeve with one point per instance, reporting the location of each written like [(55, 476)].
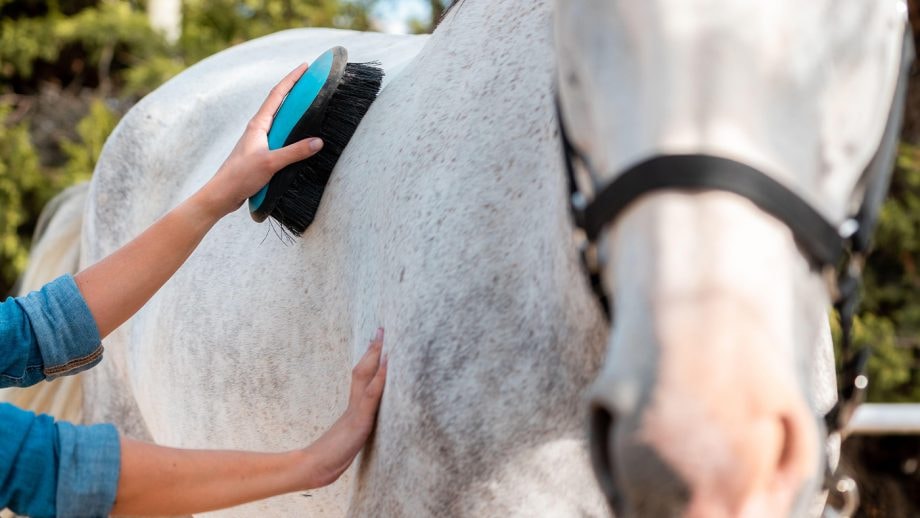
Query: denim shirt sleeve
[(56, 469), (46, 334)]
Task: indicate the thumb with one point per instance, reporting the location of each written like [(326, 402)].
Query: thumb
[(299, 150)]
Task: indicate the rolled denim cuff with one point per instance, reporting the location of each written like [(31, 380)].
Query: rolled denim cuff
[(64, 328), (90, 462)]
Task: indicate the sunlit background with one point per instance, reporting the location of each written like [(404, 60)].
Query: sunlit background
[(397, 16)]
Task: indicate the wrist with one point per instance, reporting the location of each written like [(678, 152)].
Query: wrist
[(308, 472), (209, 205)]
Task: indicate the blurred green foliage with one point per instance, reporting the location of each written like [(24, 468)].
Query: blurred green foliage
[(21, 182), (83, 152), (112, 40), (889, 321), (93, 43), (208, 26)]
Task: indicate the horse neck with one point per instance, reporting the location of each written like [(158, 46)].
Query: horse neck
[(491, 27)]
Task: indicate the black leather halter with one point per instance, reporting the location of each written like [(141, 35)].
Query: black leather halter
[(821, 241), (829, 247)]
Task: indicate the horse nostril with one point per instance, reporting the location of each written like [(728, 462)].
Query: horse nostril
[(787, 450), (601, 429), (794, 457)]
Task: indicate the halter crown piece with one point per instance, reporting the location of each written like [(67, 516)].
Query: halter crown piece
[(838, 250)]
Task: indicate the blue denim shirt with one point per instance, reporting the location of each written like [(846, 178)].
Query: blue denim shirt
[(48, 468)]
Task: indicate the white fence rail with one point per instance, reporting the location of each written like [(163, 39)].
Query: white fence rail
[(886, 419)]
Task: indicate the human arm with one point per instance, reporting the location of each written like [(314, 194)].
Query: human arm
[(156, 480), (118, 285), (59, 469)]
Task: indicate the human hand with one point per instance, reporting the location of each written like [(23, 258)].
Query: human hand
[(332, 453), (251, 164)]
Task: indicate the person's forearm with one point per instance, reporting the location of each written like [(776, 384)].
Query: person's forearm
[(155, 480), (116, 287)]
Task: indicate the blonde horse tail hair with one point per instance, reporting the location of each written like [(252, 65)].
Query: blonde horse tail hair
[(55, 251)]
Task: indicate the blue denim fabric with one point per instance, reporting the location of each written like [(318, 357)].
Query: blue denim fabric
[(90, 462), (48, 468), (47, 334), (28, 458)]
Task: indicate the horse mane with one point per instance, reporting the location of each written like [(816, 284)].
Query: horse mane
[(450, 7)]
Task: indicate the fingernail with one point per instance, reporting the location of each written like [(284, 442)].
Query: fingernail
[(316, 144), (379, 335)]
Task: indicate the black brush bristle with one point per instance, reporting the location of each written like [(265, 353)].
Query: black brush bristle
[(359, 87)]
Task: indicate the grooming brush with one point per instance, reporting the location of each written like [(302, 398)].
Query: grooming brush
[(328, 101)]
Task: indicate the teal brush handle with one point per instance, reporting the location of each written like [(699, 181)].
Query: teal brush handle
[(303, 104)]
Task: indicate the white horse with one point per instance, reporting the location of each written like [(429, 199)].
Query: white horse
[(447, 222)]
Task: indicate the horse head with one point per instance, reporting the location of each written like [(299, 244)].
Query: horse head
[(726, 143)]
